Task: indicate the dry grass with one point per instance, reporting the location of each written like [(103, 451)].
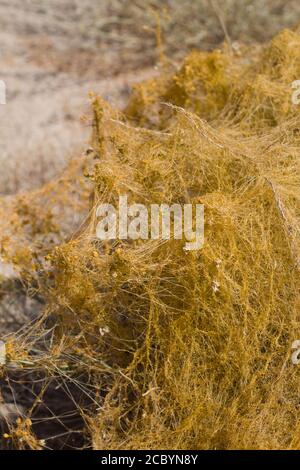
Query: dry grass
[(54, 52), (181, 363)]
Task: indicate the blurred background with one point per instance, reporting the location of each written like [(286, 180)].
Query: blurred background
[(53, 52)]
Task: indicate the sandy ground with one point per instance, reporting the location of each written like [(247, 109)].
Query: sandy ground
[(53, 52), (48, 76)]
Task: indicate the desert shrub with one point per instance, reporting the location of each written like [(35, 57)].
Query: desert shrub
[(186, 349)]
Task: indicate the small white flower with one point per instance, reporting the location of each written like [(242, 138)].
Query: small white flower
[(215, 286), (296, 354), (104, 330), (218, 263), (236, 46), (2, 353)]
